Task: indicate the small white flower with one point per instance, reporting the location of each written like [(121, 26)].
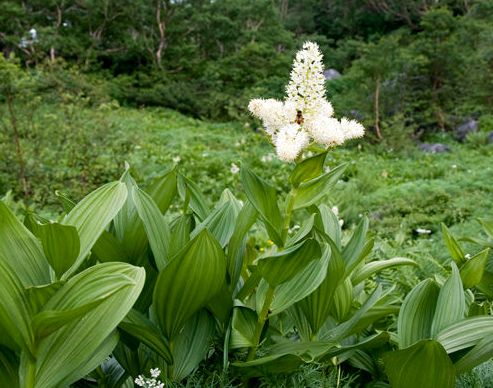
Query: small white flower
[(454, 166), (140, 381), (176, 159), (351, 129), (155, 372), (325, 130), (234, 169), (467, 256), (335, 210), (423, 231)]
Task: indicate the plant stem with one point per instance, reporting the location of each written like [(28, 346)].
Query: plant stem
[(287, 217), (261, 322), (30, 374)]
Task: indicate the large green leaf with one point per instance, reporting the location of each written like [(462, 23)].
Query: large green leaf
[(156, 228), (163, 189), (318, 304), (21, 250), (92, 215), (138, 326), (246, 218), (424, 365), (369, 269), (188, 282), (327, 222), (191, 194), (416, 315), (264, 198), (61, 245), (192, 344), (67, 352), (482, 352), (15, 310), (354, 252), (472, 271), (451, 304), (465, 333), (280, 267), (453, 246), (308, 169), (301, 285), (312, 191), (9, 365), (243, 326)]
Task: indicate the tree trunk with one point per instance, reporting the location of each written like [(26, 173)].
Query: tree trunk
[(377, 108)]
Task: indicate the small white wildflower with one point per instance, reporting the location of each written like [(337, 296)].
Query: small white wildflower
[(140, 381), (341, 222), (290, 141), (351, 129), (155, 372), (454, 166), (335, 210), (467, 256), (234, 169), (176, 159), (423, 231), (273, 113)]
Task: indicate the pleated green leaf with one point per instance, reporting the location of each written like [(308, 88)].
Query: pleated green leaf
[(157, 230), (356, 249), (92, 215), (61, 245), (472, 271), (163, 189), (308, 169), (21, 250), (451, 304), (284, 265), (192, 344), (328, 222), (108, 248), (188, 282), (264, 198), (15, 310), (191, 194), (453, 246), (318, 304), (62, 356), (482, 352), (180, 233), (243, 327), (220, 222), (312, 191), (465, 333), (9, 366), (301, 285), (416, 315), (369, 269), (424, 365), (138, 326)]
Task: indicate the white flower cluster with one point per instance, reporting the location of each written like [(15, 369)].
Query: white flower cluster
[(151, 382), (305, 115)]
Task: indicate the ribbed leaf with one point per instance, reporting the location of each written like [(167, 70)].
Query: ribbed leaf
[(369, 269), (263, 197), (354, 251), (108, 248), (61, 245), (15, 311), (312, 191), (328, 222), (192, 344), (190, 192), (482, 352), (308, 169), (156, 228), (284, 265), (302, 232), (220, 222), (318, 304), (21, 250), (188, 282), (92, 215), (342, 300), (424, 365), (64, 354), (180, 233), (163, 189), (451, 304), (465, 333), (472, 271), (9, 365), (138, 326), (453, 246), (243, 327), (416, 315), (301, 285)]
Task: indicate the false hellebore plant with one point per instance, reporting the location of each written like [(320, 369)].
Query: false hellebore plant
[(120, 285)]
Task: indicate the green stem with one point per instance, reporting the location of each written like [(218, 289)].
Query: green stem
[(287, 217), (30, 374), (261, 322)]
